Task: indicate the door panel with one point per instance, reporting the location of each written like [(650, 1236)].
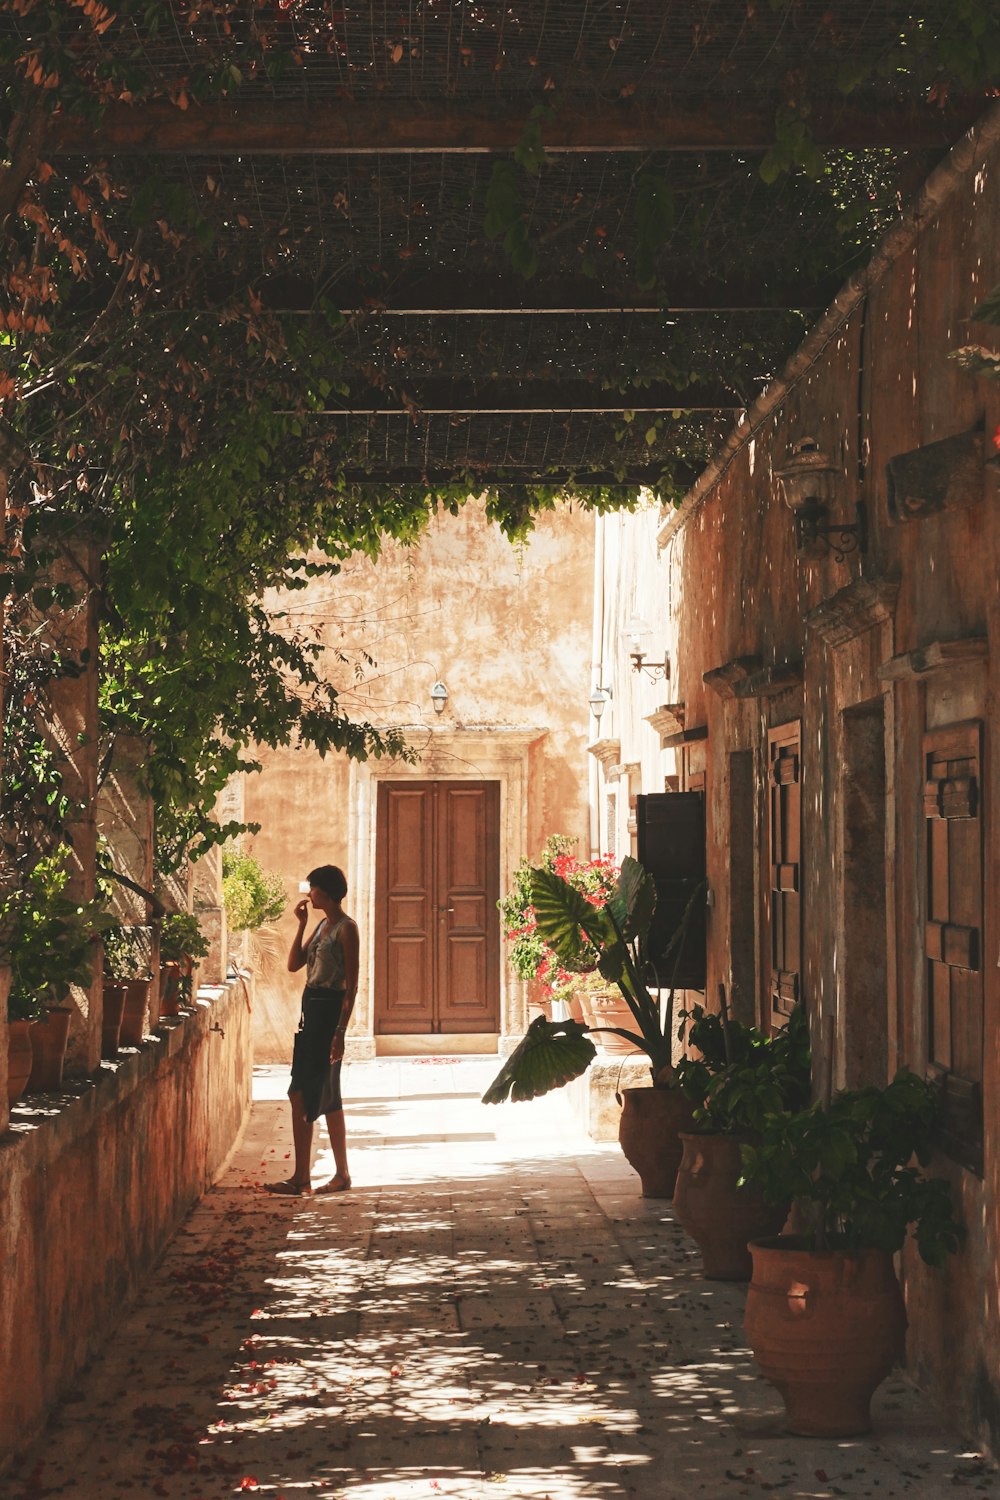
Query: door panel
[(406, 917), (437, 967)]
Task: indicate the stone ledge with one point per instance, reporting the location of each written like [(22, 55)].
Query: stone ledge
[(95, 1178), (592, 1096)]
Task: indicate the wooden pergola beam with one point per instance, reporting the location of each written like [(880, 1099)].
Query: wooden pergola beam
[(648, 476), (372, 126), (467, 398), (461, 295)]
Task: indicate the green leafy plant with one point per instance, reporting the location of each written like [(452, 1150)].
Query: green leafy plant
[(181, 937), (48, 936), (851, 1167), (126, 952), (252, 898), (586, 933), (762, 1075)]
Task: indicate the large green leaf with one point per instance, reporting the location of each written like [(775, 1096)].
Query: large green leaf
[(552, 1053), (634, 900), (562, 913)]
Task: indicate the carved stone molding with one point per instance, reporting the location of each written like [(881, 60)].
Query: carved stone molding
[(747, 677), (938, 656), (686, 736), (623, 771), (732, 675), (852, 610), (668, 719), (608, 752)]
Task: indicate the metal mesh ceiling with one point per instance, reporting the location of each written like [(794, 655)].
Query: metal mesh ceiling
[(371, 234)]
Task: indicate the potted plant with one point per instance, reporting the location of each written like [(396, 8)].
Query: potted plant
[(825, 1316), (606, 934), (182, 943), (127, 975), (49, 937), (530, 957), (761, 1076)]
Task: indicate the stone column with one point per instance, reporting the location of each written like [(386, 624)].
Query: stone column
[(4, 970), (125, 821), (73, 725), (4, 990), (211, 914)]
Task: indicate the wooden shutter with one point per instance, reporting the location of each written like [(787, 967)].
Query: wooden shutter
[(953, 931), (784, 900), (670, 844)]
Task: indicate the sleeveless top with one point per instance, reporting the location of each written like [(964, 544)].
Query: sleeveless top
[(325, 957)]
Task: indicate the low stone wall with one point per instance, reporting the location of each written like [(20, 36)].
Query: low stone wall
[(594, 1095), (94, 1181)]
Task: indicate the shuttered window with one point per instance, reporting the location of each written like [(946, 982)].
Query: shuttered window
[(670, 844), (953, 931), (785, 853)]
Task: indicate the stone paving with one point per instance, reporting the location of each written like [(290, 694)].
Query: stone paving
[(492, 1313)]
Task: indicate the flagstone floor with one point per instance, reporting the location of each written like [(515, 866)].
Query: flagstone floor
[(492, 1313)]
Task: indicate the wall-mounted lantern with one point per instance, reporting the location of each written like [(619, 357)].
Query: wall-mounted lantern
[(598, 698), (808, 481), (638, 634), (439, 697)]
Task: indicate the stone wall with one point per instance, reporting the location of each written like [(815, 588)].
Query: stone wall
[(94, 1181), (507, 629), (869, 651)]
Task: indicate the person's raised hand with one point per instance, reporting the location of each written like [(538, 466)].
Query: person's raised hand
[(302, 910)]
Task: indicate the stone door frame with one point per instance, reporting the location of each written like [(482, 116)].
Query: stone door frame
[(489, 753)]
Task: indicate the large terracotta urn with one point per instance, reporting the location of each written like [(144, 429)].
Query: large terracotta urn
[(826, 1328), (18, 1058), (48, 1048), (719, 1215), (605, 1005), (649, 1135)]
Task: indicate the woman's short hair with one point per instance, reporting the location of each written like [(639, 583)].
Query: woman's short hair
[(329, 879)]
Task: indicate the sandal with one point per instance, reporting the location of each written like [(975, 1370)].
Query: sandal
[(288, 1189), (337, 1184)]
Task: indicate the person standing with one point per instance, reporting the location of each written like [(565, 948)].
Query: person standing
[(330, 959)]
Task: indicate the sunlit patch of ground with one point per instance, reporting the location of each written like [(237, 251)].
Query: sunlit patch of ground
[(492, 1313)]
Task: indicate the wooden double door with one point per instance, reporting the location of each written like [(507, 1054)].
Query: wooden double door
[(437, 929)]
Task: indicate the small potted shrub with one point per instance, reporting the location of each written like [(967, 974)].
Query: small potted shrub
[(182, 943), (761, 1076), (49, 937), (127, 975), (825, 1316), (587, 933)]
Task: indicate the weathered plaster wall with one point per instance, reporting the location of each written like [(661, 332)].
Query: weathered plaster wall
[(824, 631), (507, 629), (94, 1181)]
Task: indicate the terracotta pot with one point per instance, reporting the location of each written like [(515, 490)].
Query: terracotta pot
[(111, 1018), (575, 1007), (18, 1058), (608, 1007), (826, 1328), (170, 988), (135, 1013), (649, 1135), (48, 1048), (719, 1216)]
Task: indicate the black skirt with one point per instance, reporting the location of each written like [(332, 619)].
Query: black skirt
[(314, 1076)]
